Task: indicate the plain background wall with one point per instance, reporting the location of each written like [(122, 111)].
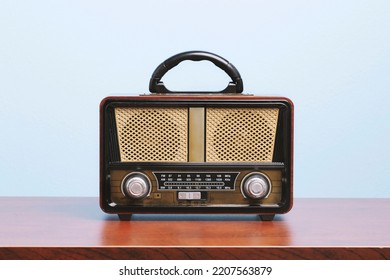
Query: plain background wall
[(58, 59)]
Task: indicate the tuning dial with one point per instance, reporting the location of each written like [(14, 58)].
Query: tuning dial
[(256, 186), (136, 185)]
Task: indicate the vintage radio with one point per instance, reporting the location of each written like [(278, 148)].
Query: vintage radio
[(196, 152)]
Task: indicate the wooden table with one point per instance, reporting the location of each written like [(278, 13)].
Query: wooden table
[(76, 228)]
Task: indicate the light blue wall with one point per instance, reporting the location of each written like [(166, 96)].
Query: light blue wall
[(58, 59)]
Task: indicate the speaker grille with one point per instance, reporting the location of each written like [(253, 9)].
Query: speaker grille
[(240, 134), (149, 134)]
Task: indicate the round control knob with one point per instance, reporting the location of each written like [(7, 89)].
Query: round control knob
[(256, 186), (136, 185)]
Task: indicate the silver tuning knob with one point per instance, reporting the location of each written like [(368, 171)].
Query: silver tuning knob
[(136, 185), (256, 185)]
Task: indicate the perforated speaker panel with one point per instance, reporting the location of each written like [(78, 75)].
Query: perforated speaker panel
[(152, 134), (240, 134)]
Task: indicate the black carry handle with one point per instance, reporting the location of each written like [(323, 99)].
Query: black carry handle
[(157, 86)]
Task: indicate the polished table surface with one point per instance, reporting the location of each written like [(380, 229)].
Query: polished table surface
[(76, 228)]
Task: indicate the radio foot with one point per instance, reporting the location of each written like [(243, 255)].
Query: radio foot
[(124, 217), (267, 217)]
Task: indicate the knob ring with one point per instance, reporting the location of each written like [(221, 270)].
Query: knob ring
[(131, 176), (256, 174)]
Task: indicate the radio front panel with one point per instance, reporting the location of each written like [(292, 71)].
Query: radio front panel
[(200, 155), (197, 188)]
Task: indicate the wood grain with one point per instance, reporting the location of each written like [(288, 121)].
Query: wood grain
[(75, 228), (188, 253)]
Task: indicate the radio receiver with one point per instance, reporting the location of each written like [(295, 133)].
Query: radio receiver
[(196, 152)]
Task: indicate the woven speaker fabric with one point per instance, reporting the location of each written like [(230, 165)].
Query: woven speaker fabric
[(240, 134), (152, 134)]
